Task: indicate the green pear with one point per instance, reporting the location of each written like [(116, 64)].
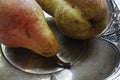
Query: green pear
[(80, 19), (22, 24)]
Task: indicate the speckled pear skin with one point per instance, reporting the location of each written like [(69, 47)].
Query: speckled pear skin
[(22, 24), (80, 19)]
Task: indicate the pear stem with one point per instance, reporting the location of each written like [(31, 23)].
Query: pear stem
[(61, 63)]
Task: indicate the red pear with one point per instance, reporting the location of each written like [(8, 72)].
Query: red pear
[(22, 24)]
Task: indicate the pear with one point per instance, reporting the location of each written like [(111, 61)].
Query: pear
[(80, 19), (23, 24)]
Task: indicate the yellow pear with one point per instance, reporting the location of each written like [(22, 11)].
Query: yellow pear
[(80, 19)]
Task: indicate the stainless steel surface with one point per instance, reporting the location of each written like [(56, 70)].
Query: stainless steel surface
[(95, 59), (98, 63), (29, 61)]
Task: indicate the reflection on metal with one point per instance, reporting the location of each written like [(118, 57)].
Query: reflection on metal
[(53, 77), (28, 61), (112, 34), (97, 64), (0, 55), (113, 31), (65, 75), (114, 5)]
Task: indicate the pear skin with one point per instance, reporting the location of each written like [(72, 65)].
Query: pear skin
[(22, 24), (80, 19)]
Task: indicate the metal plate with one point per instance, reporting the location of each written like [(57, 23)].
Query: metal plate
[(99, 62), (31, 62), (95, 59)]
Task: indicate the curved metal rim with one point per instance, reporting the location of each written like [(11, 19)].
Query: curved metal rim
[(19, 68), (116, 70)]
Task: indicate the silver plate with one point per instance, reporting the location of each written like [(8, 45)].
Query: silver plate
[(95, 59), (99, 61)]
